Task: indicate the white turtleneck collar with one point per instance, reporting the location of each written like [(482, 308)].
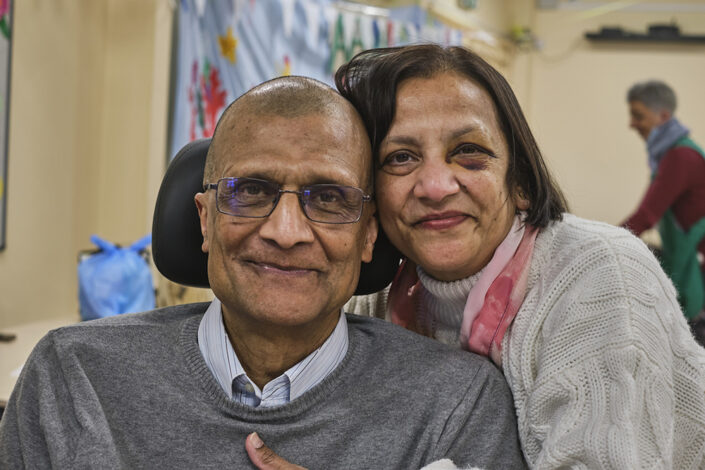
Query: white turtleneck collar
[(443, 305)]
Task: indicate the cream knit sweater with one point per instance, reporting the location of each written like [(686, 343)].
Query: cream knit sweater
[(603, 368)]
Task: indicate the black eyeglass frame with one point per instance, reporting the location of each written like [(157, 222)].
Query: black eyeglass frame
[(299, 194)]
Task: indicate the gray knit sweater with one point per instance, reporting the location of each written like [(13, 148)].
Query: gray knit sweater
[(133, 391)]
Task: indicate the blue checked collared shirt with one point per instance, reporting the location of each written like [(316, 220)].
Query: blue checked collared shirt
[(223, 362)]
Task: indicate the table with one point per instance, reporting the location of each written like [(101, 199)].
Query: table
[(13, 354)]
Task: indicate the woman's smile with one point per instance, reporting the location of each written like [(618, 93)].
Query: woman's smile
[(441, 220)]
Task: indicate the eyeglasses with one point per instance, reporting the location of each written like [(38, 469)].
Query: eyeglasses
[(326, 203)]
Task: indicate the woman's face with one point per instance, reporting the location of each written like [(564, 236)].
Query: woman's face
[(441, 184)]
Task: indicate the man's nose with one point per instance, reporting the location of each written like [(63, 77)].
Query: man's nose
[(287, 225), (436, 180)]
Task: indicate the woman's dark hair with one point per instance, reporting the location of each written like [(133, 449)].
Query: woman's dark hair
[(370, 80)]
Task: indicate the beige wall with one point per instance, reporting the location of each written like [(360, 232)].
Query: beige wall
[(574, 93), (87, 139), (484, 27)]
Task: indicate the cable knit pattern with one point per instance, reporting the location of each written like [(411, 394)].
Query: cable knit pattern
[(371, 305), (603, 368)]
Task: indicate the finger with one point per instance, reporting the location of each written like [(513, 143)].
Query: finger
[(264, 458)]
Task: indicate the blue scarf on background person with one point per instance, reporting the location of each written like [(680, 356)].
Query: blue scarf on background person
[(662, 138)]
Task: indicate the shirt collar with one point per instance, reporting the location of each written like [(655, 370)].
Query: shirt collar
[(222, 361)]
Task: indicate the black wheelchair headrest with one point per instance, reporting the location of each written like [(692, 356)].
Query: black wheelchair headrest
[(176, 230)]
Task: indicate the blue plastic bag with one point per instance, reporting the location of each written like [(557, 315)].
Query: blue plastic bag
[(115, 280)]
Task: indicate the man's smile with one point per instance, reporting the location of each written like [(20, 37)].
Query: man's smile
[(274, 267)]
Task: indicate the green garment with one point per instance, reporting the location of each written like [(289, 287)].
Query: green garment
[(680, 253)]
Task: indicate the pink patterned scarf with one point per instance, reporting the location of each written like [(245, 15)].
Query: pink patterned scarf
[(493, 301)]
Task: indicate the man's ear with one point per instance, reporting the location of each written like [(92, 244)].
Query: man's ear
[(520, 200), (201, 200), (665, 115), (370, 236)]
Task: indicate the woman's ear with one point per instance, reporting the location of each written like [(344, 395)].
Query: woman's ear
[(521, 202)]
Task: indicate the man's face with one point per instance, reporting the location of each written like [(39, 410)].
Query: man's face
[(644, 119), (285, 270)]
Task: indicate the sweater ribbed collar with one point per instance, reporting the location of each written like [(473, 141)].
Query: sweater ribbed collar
[(444, 303)]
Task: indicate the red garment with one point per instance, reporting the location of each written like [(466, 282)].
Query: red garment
[(680, 185)]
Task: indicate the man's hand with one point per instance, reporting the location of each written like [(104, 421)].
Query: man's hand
[(264, 458)]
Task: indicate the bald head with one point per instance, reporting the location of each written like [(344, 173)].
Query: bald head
[(287, 97)]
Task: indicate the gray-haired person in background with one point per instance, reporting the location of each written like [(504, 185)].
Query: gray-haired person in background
[(675, 198)]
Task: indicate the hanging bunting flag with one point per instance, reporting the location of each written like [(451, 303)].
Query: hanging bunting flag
[(356, 45), (228, 43), (225, 47)]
